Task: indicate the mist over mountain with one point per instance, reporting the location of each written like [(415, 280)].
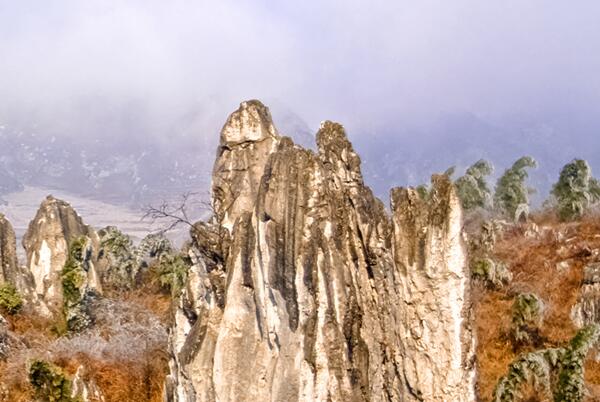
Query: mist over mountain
[(121, 162)]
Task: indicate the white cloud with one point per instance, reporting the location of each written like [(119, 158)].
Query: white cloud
[(366, 63)]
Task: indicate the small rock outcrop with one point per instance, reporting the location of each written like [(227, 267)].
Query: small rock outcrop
[(117, 257), (47, 243), (303, 288), (587, 309), (4, 338), (84, 389)]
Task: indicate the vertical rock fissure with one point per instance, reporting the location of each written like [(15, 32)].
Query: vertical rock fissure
[(327, 297)]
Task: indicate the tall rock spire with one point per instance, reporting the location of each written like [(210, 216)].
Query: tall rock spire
[(435, 321), (310, 297)]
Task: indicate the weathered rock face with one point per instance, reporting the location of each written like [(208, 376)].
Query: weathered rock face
[(47, 241), (318, 295), (117, 259), (9, 265), (429, 251)]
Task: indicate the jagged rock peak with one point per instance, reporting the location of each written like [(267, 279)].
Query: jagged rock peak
[(331, 137), (8, 252), (47, 241), (251, 122), (337, 154), (247, 140), (330, 131)]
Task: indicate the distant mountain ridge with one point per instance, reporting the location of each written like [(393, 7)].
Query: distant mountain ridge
[(133, 166)]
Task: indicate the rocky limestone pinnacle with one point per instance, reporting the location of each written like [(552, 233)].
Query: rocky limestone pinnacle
[(47, 240), (309, 291), (11, 271)]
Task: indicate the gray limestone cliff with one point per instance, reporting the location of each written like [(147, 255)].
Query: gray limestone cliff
[(303, 288), (47, 243)]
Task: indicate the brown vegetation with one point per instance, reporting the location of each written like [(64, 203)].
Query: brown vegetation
[(534, 261), (124, 353)]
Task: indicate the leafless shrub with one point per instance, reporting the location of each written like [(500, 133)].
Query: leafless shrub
[(175, 214), (124, 336), (122, 333)]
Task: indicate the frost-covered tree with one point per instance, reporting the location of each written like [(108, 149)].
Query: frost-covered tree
[(527, 315), (472, 188), (172, 271), (575, 190), (535, 368), (512, 195), (556, 373), (492, 273), (118, 249), (76, 292), (571, 382)]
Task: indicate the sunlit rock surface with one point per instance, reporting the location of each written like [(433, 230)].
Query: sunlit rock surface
[(47, 241), (435, 324), (305, 289), (85, 390), (247, 139)]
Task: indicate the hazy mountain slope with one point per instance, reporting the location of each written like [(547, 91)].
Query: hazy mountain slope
[(400, 157)]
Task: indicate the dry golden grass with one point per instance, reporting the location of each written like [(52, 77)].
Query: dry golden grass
[(124, 382), (138, 380), (158, 303), (533, 265)]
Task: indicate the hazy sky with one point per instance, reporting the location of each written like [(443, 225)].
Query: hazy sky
[(369, 64)]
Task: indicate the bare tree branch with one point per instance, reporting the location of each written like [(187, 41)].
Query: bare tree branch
[(175, 214)]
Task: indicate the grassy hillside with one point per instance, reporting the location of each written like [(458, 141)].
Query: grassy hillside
[(546, 258)]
